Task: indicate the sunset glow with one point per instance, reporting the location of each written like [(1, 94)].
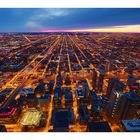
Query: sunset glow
[(124, 28)]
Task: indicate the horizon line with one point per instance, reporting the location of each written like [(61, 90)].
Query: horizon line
[(110, 29)]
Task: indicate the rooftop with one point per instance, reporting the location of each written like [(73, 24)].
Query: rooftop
[(31, 118), (131, 125)]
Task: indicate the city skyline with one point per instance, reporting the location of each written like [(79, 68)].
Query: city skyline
[(70, 20)]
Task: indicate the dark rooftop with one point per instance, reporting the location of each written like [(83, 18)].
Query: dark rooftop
[(99, 127)]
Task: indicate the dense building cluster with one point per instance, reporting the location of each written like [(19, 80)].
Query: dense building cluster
[(69, 82)]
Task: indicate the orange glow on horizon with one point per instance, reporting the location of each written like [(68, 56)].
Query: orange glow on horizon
[(124, 28)]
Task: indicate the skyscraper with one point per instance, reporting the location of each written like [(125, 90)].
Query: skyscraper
[(94, 78), (100, 81), (115, 103), (85, 88)]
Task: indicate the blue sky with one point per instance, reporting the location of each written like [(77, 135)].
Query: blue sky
[(40, 19)]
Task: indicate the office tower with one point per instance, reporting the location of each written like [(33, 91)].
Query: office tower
[(110, 86), (94, 78), (130, 105), (85, 88), (115, 103), (100, 81)]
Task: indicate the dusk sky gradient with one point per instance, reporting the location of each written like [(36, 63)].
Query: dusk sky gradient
[(74, 19)]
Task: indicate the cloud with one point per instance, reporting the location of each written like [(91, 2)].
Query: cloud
[(33, 24), (50, 14), (37, 18)]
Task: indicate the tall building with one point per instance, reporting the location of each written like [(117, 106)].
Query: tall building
[(115, 103), (114, 84), (130, 105), (85, 88), (110, 86), (100, 81), (94, 78)]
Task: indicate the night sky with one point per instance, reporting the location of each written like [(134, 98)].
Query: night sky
[(32, 19)]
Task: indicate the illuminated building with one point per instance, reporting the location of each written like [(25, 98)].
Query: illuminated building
[(31, 118), (115, 103)]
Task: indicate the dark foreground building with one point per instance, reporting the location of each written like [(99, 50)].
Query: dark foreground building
[(98, 127), (130, 104)]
